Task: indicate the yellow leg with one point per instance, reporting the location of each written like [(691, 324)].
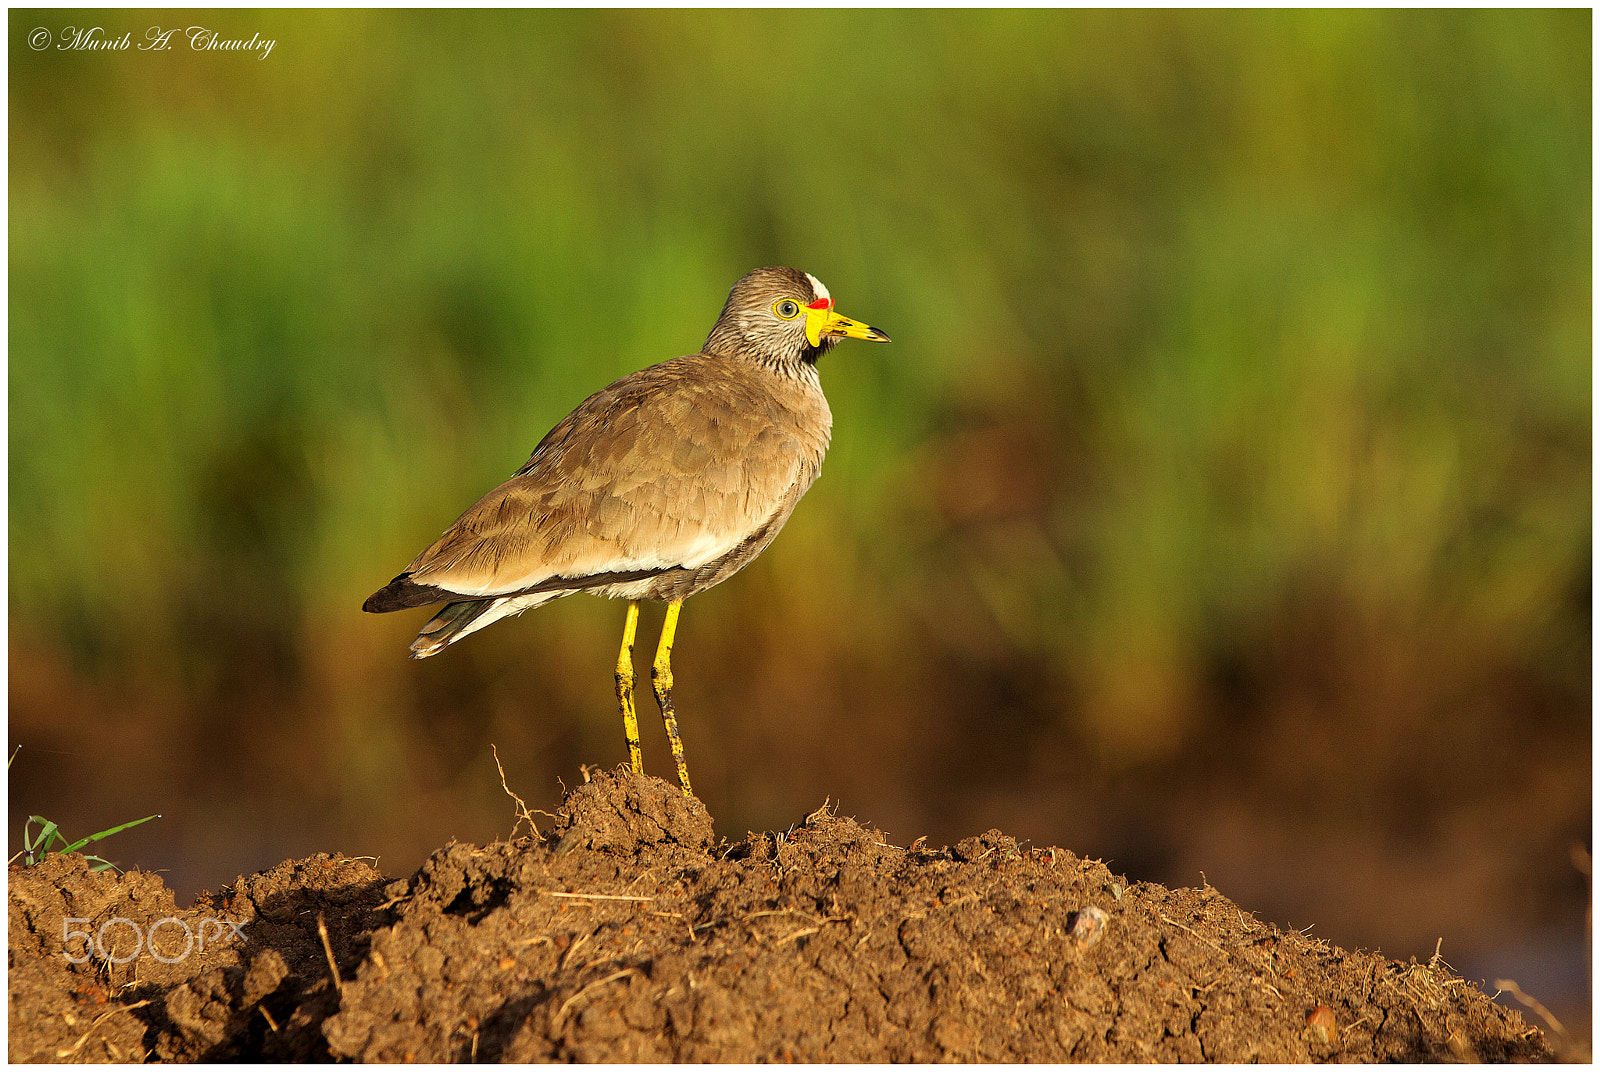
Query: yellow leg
[(630, 717), (661, 678)]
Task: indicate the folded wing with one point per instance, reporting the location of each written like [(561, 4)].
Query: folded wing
[(670, 468)]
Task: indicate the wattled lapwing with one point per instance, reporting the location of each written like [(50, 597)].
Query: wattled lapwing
[(657, 487)]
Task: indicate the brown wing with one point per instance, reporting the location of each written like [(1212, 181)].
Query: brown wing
[(672, 466)]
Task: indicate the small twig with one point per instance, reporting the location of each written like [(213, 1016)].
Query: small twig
[(778, 912), (679, 916), (646, 873), (1438, 963), (270, 1021), (572, 951), (595, 896), (327, 947), (1510, 987), (98, 1020), (801, 933), (600, 960), (1263, 984), (521, 814), (824, 812), (613, 977), (1196, 936)]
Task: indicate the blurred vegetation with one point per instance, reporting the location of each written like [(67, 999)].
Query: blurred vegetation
[(1230, 470)]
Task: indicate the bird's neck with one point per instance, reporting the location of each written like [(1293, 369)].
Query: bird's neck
[(801, 365), (803, 370)]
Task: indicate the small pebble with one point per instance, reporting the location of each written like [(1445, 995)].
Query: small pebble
[(1088, 926), (1321, 1026)]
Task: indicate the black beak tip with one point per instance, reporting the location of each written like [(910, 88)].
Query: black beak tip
[(879, 336)]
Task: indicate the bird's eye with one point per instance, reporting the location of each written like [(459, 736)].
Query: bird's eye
[(787, 309)]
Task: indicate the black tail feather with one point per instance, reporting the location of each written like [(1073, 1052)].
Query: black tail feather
[(443, 628)]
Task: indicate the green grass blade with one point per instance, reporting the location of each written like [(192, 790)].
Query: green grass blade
[(76, 845), (42, 842)]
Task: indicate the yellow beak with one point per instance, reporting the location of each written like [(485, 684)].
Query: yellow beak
[(822, 323)]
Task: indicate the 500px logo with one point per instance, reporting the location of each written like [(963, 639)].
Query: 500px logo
[(94, 943)]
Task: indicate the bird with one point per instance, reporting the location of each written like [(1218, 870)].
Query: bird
[(657, 487)]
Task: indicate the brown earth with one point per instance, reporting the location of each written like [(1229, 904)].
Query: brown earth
[(626, 934)]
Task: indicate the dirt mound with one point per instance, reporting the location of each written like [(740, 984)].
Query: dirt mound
[(240, 974), (623, 935)]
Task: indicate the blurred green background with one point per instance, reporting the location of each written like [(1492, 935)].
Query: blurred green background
[(1222, 504)]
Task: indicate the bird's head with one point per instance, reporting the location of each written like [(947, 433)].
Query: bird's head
[(782, 317)]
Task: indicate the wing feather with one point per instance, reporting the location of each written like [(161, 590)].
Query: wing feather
[(673, 466)]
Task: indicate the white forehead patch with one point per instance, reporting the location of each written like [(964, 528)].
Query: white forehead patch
[(820, 290)]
